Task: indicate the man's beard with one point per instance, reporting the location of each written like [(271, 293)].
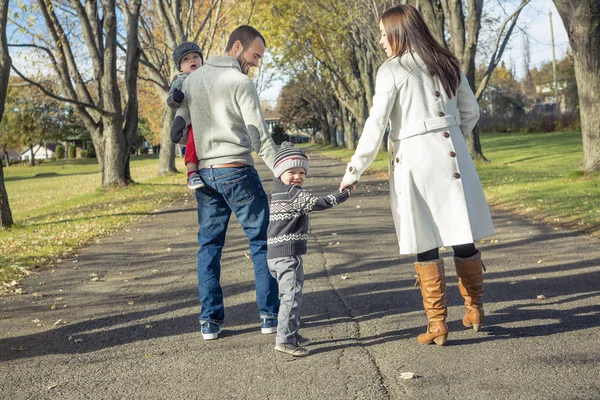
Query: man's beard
[(243, 65)]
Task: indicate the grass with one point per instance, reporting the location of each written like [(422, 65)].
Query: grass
[(535, 175), (58, 207)]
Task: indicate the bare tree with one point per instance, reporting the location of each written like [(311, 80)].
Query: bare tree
[(463, 21), (6, 220), (106, 102), (581, 21)]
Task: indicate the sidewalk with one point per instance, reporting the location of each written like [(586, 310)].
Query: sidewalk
[(126, 314)]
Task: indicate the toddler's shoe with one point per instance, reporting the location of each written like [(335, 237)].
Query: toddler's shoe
[(210, 330), (194, 181), (302, 341), (268, 325), (293, 349)]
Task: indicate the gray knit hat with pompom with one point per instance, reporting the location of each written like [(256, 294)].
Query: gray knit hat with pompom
[(289, 157), (183, 49)]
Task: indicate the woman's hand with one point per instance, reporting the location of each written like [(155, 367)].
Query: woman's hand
[(344, 186)]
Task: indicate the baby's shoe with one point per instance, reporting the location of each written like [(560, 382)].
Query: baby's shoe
[(194, 181)]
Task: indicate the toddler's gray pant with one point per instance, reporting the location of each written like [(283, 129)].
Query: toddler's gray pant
[(289, 273)]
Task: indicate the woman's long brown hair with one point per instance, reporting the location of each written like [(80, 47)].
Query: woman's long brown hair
[(407, 31)]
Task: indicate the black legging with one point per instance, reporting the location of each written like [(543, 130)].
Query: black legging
[(460, 251)]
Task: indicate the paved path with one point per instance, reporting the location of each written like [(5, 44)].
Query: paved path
[(132, 333)]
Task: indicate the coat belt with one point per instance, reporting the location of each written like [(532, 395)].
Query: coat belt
[(428, 125)]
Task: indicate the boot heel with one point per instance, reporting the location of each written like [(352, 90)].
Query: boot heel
[(441, 340), (476, 327)]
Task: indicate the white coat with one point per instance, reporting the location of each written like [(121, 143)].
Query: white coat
[(436, 196)]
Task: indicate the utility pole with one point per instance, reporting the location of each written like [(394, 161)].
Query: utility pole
[(554, 66)]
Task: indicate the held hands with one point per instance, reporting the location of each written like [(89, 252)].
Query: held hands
[(345, 186)]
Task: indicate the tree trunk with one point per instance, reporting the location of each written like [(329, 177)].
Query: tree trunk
[(6, 220), (116, 154), (474, 144), (32, 160), (166, 163), (581, 22)]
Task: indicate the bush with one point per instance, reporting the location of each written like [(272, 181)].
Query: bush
[(91, 152), (72, 151), (144, 150), (59, 151)]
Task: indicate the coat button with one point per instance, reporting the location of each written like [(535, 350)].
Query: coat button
[(457, 175), (446, 135), (397, 160), (441, 114), (452, 154), (437, 93)]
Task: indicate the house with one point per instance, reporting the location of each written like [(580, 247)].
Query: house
[(13, 155), (39, 152), (272, 118)]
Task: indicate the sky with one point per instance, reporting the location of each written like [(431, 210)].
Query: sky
[(533, 22)]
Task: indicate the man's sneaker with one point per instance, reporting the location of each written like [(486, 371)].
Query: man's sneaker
[(292, 348), (194, 181), (210, 330), (268, 325), (302, 341)]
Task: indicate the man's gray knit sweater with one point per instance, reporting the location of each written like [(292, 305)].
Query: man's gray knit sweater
[(225, 112), (287, 233)]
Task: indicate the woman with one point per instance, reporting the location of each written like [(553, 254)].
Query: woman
[(435, 193)]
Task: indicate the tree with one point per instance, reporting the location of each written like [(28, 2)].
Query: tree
[(295, 107), (6, 220), (581, 22), (463, 19), (31, 120), (80, 41)]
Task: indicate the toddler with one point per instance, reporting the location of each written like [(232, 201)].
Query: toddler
[(287, 236)]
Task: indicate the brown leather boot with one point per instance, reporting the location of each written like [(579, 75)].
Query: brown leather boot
[(431, 276), (470, 283)]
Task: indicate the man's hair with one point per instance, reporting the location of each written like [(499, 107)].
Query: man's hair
[(246, 35)]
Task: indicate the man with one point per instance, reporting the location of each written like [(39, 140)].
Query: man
[(228, 124)]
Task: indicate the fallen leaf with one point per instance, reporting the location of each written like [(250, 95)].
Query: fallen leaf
[(168, 249), (148, 326), (94, 279), (408, 375), (247, 256), (20, 348), (52, 386), (541, 297), (52, 306), (130, 302), (78, 340), (539, 261), (60, 322), (344, 277), (36, 321)]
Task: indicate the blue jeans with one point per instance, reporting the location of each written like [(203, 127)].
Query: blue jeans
[(238, 190)]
